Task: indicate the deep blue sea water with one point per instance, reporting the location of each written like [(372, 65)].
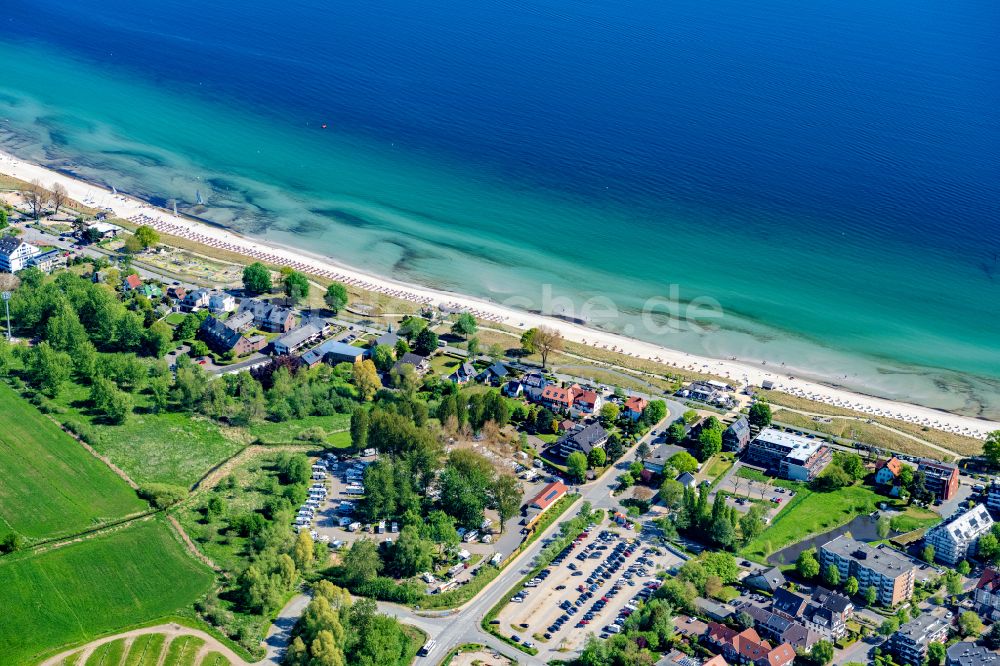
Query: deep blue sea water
[(828, 172)]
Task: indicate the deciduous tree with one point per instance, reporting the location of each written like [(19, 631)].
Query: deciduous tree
[(336, 297), (257, 278)]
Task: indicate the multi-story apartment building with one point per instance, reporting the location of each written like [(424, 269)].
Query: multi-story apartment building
[(788, 455), (909, 644), (956, 539), (889, 572), (941, 480)]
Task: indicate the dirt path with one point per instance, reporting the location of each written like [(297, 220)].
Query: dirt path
[(189, 544), (171, 631), (104, 459)]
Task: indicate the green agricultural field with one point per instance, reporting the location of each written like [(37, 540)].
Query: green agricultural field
[(145, 650), (109, 654), (79, 591), (286, 432), (183, 650), (170, 447), (810, 513), (51, 485), (214, 659)]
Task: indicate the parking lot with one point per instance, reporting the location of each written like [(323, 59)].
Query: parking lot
[(591, 586)]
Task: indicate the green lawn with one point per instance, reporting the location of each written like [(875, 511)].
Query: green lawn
[(101, 585), (169, 447), (174, 318), (718, 465), (269, 432), (914, 518), (51, 485), (753, 475), (810, 513)]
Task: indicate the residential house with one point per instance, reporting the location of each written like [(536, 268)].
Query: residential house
[(687, 480), (711, 392), (195, 300), (226, 336), (887, 471), (987, 594), (657, 460), (737, 435), (388, 339), (909, 643), (268, 316), (956, 539), (584, 440), (788, 455), (780, 629), (421, 364), (766, 580), (220, 301), (176, 292), (103, 230), (513, 389), (545, 498), (586, 403), (789, 604), (747, 647), (965, 653), (333, 352), (495, 375), (131, 282), (533, 383), (463, 374), (828, 612), (940, 479), (891, 573), (558, 399), (634, 407), (151, 291), (298, 338), (49, 261)]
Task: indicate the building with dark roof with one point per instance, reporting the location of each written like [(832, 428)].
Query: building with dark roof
[(494, 375), (987, 594), (909, 643), (15, 254), (268, 316), (737, 435), (768, 580), (228, 335), (965, 653), (780, 629), (420, 363), (463, 374), (294, 340), (333, 352), (583, 440), (940, 479)]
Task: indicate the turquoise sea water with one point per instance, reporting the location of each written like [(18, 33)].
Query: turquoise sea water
[(825, 174)]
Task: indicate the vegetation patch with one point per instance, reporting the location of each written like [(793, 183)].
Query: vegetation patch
[(811, 512), (80, 591), (52, 486)]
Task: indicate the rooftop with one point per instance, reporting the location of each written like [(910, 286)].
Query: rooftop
[(799, 447), (970, 654), (881, 559)]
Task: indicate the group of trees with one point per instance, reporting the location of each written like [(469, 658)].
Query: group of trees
[(846, 469), (38, 198), (717, 523), (709, 439), (333, 631), (141, 239)]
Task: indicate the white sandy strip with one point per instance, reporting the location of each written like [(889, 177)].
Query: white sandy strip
[(143, 213)]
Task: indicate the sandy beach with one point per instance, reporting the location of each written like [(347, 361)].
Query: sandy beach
[(141, 212)]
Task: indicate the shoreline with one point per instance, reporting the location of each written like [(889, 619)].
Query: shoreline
[(211, 235)]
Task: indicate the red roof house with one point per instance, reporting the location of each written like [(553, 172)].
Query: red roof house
[(635, 406), (132, 282)]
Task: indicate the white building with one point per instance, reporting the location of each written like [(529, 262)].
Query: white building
[(220, 301), (15, 254), (956, 540)]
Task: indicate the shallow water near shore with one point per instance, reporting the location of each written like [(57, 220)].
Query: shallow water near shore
[(825, 174)]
